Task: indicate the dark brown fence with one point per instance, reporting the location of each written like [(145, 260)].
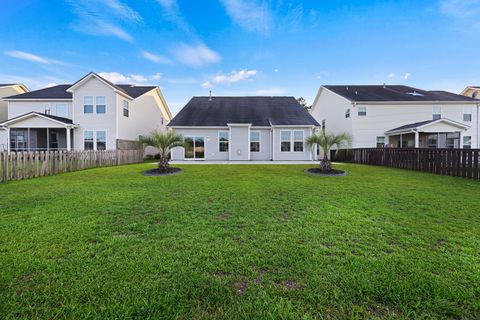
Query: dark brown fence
[(26, 165), (451, 162)]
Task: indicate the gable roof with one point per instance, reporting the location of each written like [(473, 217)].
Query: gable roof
[(62, 120), (63, 91), (258, 111), (421, 124), (55, 92), (394, 93)]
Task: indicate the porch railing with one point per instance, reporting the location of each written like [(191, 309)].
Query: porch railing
[(26, 165), (451, 162)]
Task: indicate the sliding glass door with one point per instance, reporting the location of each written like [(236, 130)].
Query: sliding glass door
[(194, 148)]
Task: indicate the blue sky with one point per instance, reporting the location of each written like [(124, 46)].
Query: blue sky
[(241, 47)]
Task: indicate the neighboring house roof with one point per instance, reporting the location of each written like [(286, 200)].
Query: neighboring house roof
[(7, 84), (55, 92), (474, 94), (135, 91), (3, 85), (419, 125), (43, 115), (394, 93), (257, 111)]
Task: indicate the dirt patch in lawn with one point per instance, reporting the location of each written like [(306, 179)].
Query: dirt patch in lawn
[(158, 172), (333, 172)]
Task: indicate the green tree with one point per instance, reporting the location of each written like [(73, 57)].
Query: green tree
[(326, 141), (164, 142)]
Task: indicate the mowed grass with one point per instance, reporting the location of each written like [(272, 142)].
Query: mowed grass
[(240, 241)]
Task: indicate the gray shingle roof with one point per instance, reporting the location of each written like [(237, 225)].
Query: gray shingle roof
[(61, 119), (259, 111), (60, 92), (412, 125), (363, 93)]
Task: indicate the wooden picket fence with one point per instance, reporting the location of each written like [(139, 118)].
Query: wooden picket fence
[(451, 162), (26, 165)]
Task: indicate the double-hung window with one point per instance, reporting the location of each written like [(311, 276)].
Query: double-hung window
[(467, 114), (254, 141), (88, 140), (380, 142), (223, 140), (101, 140), (436, 113), (88, 104), (298, 141), (100, 104), (126, 109), (362, 111), (285, 140), (467, 142)]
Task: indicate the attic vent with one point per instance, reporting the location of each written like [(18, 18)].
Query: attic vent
[(415, 94)]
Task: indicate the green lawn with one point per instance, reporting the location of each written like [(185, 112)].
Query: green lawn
[(240, 241)]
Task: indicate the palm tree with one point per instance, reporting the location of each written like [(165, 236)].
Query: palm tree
[(326, 141), (164, 142)]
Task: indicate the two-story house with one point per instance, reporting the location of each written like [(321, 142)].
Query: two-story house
[(398, 116), (91, 114)]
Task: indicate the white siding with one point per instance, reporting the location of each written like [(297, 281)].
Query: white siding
[(307, 154), (211, 144), (330, 107), (93, 121), (265, 145), (7, 92), (239, 142), (18, 107)]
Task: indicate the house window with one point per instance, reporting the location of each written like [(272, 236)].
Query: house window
[(453, 140), (61, 110), (285, 140), (347, 113), (467, 114), (88, 104), (254, 141), (298, 141), (100, 104), (437, 113), (381, 142), (223, 140), (47, 108), (88, 140), (362, 111), (101, 140), (126, 109), (432, 141), (467, 142)]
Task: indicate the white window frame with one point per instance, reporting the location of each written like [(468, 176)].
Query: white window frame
[(436, 111), (290, 140), (463, 142), (382, 142), (93, 105), (364, 112), (219, 142), (66, 109), (259, 141), (96, 138), (204, 147), (96, 104), (467, 111), (93, 139), (293, 140), (127, 109)]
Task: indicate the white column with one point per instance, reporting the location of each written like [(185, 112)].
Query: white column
[(8, 140), (69, 147), (417, 139), (401, 141), (272, 144), (460, 142), (48, 140), (28, 139)]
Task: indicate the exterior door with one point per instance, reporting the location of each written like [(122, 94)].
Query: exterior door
[(194, 148), (53, 140)]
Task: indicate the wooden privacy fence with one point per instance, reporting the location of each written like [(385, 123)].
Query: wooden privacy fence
[(26, 165), (450, 162)]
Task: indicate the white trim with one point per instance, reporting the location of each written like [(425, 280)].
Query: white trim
[(239, 124), (295, 126), (303, 140), (83, 139), (413, 129), (218, 140), (280, 136), (96, 104), (36, 99), (204, 148), (24, 87), (197, 127), (87, 77), (28, 115)]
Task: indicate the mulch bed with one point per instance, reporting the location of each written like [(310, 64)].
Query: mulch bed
[(332, 172), (158, 172)]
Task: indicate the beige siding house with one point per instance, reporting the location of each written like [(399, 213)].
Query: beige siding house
[(398, 116), (91, 114), (244, 129)]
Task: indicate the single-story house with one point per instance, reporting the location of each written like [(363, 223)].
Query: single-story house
[(244, 128)]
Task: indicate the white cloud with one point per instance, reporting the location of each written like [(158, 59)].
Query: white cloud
[(32, 57), (51, 84), (406, 76), (253, 16), (391, 75), (195, 55), (275, 70), (172, 12), (465, 12), (99, 17), (207, 85), (156, 58), (138, 78), (157, 76), (234, 76)]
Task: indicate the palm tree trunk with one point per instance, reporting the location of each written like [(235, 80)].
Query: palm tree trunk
[(325, 164), (163, 164)]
